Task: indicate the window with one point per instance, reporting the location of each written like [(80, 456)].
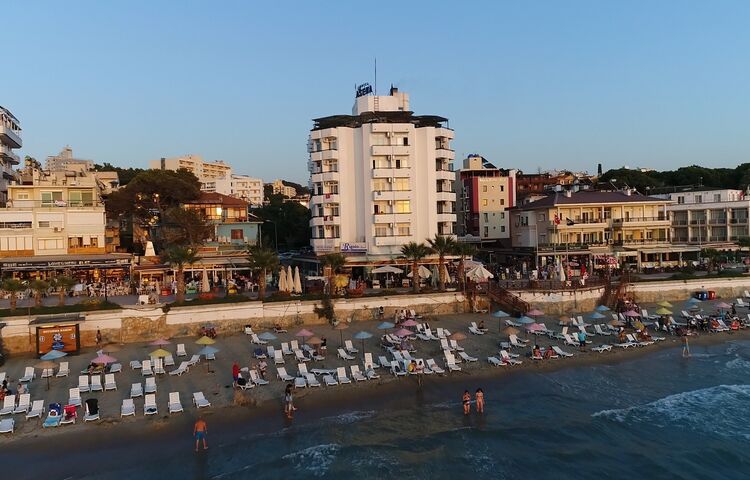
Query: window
[(401, 184), (699, 199), (94, 241), (484, 188), (43, 223), (380, 139), (502, 215), (75, 242), (402, 163), (402, 206), (335, 209), (237, 234), (49, 243), (486, 231), (319, 232), (717, 197), (484, 202), (486, 218), (502, 188), (50, 198), (381, 230), (381, 162), (502, 228), (381, 185), (403, 229), (680, 199), (406, 140), (502, 201), (319, 211), (22, 196), (81, 197)]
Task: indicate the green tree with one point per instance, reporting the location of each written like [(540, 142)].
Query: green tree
[(335, 261), (178, 257), (326, 310), (39, 287), (185, 226), (13, 286), (63, 284), (712, 255), (442, 246), (261, 261), (622, 177), (288, 222), (463, 250), (414, 252)]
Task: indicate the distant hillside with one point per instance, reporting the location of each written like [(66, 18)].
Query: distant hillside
[(738, 177)]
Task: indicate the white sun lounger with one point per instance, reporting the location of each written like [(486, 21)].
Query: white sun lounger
[(175, 406), (136, 390), (599, 331), (294, 345), (109, 382), (474, 329), (467, 357), (90, 417), (602, 348), (256, 379), (516, 342), (168, 361), (146, 369), (83, 383), (434, 367), (74, 397), (28, 375), (384, 362), (7, 425), (135, 364), (357, 374), (495, 362), (300, 382), (115, 368), (37, 409), (254, 339), (311, 380), (24, 403), (508, 359), (149, 405), (329, 380), (195, 359), (559, 351), (9, 404), (96, 383), (450, 362), (150, 385), (349, 347), (64, 370), (301, 356), (282, 375), (285, 349), (454, 344), (128, 407), (183, 368), (278, 358), (368, 363), (159, 366), (200, 400), (343, 355), (397, 369), (302, 370), (341, 376), (181, 350)]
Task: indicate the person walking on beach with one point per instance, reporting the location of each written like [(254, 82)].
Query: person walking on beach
[(200, 430), (582, 340), (288, 402), (479, 397), (235, 373), (98, 337), (467, 402)]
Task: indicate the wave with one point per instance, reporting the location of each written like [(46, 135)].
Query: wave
[(737, 363), (718, 410), (315, 460), (349, 417)]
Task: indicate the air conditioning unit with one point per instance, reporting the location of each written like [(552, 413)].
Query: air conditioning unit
[(389, 134), (390, 180)]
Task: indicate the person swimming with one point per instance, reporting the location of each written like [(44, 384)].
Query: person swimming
[(467, 402)]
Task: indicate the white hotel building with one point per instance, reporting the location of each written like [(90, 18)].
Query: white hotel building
[(380, 177), (10, 139)]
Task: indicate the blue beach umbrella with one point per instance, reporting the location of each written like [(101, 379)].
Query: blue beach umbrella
[(694, 300), (602, 308), (500, 314), (597, 315), (362, 336), (267, 336), (53, 355), (206, 351), (526, 320), (385, 326)]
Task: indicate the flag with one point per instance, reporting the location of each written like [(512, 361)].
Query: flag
[(557, 220)]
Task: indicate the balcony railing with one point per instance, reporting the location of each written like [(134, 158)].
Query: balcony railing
[(23, 204), (660, 218), (15, 225)]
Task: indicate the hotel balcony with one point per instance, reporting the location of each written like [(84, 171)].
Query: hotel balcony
[(391, 240), (445, 175), (391, 195), (324, 176), (391, 217), (446, 196), (6, 154), (445, 153), (446, 217), (325, 220), (10, 137), (444, 132), (324, 198), (379, 150), (641, 221), (324, 155)]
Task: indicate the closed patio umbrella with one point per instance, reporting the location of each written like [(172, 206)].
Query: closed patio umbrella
[(205, 285), (282, 280), (297, 281)]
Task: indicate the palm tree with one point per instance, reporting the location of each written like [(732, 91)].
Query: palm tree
[(335, 261), (414, 252), (40, 288), (63, 283), (178, 257), (463, 250), (261, 261), (442, 245), (12, 286)]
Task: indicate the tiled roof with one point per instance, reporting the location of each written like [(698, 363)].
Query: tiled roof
[(589, 197)]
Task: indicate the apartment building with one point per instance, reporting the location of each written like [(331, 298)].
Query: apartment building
[(213, 176), (484, 193), (380, 177), (229, 217), (10, 140), (247, 188), (703, 216), (597, 226), (66, 161), (286, 190)]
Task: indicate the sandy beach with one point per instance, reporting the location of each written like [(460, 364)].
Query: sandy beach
[(234, 414)]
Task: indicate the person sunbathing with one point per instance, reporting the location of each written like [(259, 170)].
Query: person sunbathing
[(548, 354), (735, 325), (536, 352), (481, 326)]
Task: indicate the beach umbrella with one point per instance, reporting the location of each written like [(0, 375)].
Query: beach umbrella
[(665, 304), (597, 315), (205, 285), (204, 340), (663, 311), (408, 323), (616, 323), (479, 274), (267, 336), (533, 327), (304, 334), (282, 280), (457, 336), (500, 314), (314, 341), (423, 271), (632, 313), (159, 353), (103, 359), (46, 365), (52, 355), (297, 281), (526, 320), (387, 269), (602, 308), (403, 333), (723, 305), (385, 326), (362, 336), (693, 300), (160, 342), (206, 351), (341, 326), (511, 331), (535, 312)]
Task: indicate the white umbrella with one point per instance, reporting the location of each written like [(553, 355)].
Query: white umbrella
[(387, 269), (205, 286), (479, 274), (469, 264), (289, 279), (562, 272), (297, 281), (424, 272), (446, 275), (282, 280)]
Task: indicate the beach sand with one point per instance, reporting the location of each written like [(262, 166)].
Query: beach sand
[(260, 408)]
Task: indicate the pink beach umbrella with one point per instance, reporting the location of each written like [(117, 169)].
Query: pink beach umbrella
[(160, 342), (723, 305), (304, 333), (535, 327), (408, 323), (632, 313), (103, 359), (535, 313), (404, 333)]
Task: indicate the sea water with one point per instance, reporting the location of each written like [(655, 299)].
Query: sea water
[(658, 416)]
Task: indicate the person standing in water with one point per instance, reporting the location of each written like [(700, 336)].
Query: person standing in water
[(200, 430), (479, 396), (467, 402), (288, 402)]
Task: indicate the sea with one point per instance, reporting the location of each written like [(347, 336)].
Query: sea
[(656, 416)]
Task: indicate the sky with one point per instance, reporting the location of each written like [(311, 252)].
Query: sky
[(529, 85)]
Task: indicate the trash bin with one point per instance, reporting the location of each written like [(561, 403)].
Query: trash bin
[(711, 295)]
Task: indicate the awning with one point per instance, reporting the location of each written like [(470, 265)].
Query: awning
[(222, 263), (671, 249), (55, 262)]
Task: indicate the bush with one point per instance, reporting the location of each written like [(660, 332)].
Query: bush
[(84, 306), (211, 301)]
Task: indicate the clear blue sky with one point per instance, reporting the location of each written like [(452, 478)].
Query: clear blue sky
[(550, 84)]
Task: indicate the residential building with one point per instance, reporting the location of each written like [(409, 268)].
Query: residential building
[(10, 140), (52, 213), (213, 176), (594, 226), (66, 161), (380, 177), (709, 216), (484, 193), (286, 190), (233, 225), (248, 188)]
